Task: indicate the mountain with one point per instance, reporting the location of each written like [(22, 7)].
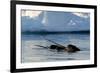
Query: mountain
[(55, 21)]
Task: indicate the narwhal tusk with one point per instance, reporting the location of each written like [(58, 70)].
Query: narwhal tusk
[(41, 46)]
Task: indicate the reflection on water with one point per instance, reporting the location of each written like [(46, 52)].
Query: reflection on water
[(32, 53)]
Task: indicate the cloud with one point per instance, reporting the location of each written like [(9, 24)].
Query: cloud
[(84, 15), (30, 13)]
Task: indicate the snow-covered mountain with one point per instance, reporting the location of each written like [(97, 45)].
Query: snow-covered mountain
[(55, 21)]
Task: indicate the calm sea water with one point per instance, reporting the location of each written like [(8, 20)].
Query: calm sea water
[(32, 53)]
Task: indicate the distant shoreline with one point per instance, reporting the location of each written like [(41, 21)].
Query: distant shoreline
[(56, 32)]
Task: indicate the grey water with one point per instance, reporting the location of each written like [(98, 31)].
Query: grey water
[(32, 53)]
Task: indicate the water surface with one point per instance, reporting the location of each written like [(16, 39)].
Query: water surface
[(32, 53)]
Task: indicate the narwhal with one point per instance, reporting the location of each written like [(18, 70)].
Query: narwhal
[(70, 48)]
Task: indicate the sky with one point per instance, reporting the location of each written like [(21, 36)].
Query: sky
[(54, 21), (33, 13)]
